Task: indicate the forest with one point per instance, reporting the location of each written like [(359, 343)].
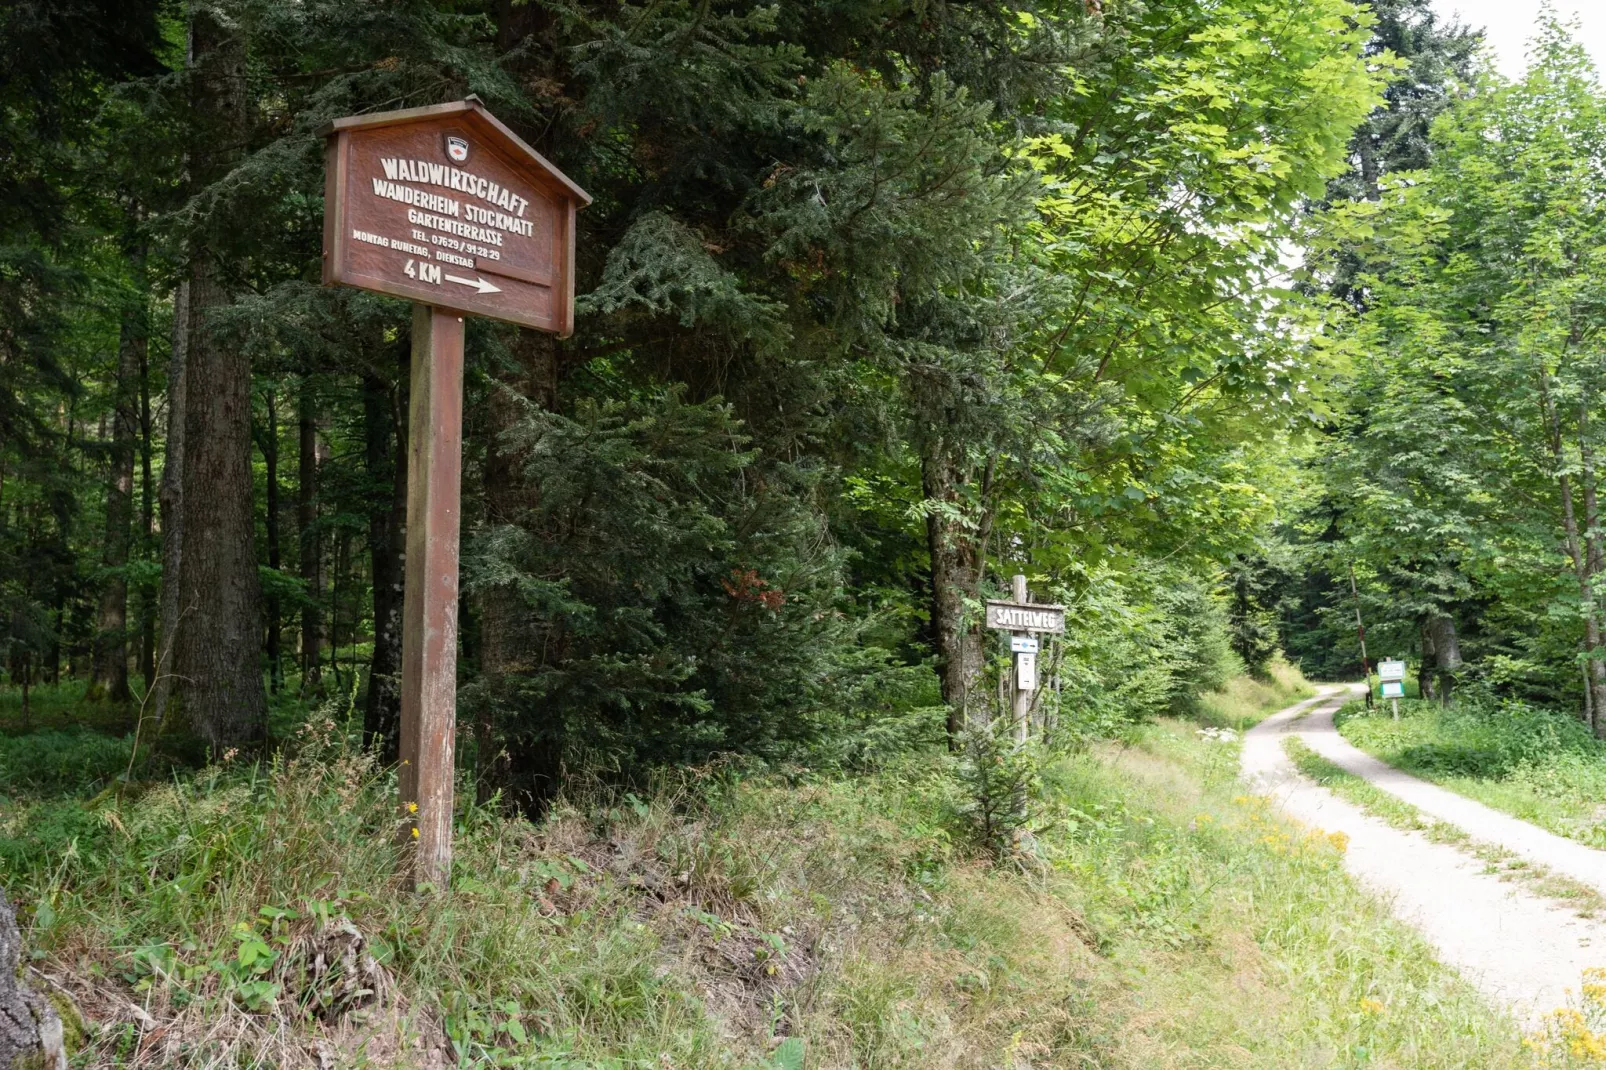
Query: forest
[(1264, 338)]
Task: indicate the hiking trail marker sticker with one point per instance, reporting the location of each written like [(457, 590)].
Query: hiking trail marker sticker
[(448, 208)]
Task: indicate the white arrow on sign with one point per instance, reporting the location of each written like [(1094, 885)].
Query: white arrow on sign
[(478, 283)]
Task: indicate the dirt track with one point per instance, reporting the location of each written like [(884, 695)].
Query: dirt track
[(1519, 948)]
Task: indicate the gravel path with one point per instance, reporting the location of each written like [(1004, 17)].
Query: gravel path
[(1521, 950)]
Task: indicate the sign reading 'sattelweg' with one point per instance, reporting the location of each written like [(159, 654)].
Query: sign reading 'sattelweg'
[(1025, 617), (447, 207)]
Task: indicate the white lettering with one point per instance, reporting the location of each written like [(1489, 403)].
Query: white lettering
[(433, 174), (407, 195), (453, 226)]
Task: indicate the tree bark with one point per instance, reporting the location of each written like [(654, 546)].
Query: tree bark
[(274, 639), (109, 672), (217, 648), (1594, 667), (310, 542), (1424, 672), (31, 1035), (958, 560), (1446, 654), (147, 520), (385, 439), (172, 501), (1593, 554)]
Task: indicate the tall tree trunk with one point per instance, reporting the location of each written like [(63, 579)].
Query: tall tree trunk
[(217, 652), (109, 672), (1589, 698), (1446, 654), (1593, 554), (385, 450), (147, 521), (270, 459), (1593, 665), (957, 549), (1424, 672), (310, 538), (172, 502)]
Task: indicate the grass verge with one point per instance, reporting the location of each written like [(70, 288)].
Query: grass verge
[(1539, 765), (1248, 700), (1580, 898), (249, 916)]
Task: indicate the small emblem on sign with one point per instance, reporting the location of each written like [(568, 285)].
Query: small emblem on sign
[(457, 149)]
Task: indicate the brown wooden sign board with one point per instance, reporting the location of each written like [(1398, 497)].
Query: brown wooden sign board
[(1025, 617), (447, 207)]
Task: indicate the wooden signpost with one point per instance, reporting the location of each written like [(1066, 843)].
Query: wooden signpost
[(448, 208), (1021, 619)]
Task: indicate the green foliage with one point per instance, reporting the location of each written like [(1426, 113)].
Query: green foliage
[(739, 924), (675, 597), (71, 762), (1198, 640), (1001, 780), (1252, 587), (1540, 764), (1467, 456)]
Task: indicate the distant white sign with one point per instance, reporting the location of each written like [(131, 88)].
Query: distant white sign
[(1390, 670)]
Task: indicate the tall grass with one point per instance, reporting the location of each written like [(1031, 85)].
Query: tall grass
[(250, 916), (1537, 764), (1246, 700)]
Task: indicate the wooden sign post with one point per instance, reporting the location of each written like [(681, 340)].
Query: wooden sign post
[(1022, 618), (448, 208)]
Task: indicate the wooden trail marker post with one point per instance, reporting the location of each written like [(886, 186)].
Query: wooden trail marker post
[(1023, 618), (448, 208)]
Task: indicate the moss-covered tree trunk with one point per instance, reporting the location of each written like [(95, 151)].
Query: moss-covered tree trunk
[(30, 1030)]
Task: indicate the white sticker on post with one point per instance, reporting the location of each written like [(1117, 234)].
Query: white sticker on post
[(1026, 672), (1023, 644)]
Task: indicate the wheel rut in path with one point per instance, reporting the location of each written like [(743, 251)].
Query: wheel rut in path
[(1522, 950)]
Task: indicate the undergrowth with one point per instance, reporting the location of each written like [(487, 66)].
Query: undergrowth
[(1246, 700), (249, 916), (1537, 764)]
